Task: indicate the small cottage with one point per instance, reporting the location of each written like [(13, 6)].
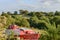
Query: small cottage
[(22, 33)]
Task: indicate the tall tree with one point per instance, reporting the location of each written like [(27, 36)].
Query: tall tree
[(57, 13), (23, 12), (8, 13), (15, 12)]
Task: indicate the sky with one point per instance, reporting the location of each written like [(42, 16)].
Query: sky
[(30, 5)]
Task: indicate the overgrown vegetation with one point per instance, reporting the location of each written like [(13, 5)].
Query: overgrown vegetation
[(47, 21)]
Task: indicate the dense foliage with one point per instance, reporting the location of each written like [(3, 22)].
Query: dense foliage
[(48, 21)]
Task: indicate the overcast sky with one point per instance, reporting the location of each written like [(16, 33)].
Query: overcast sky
[(31, 5)]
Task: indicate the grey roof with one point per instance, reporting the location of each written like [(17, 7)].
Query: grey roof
[(15, 32), (25, 29)]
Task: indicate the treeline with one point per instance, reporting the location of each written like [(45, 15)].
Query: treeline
[(33, 19), (48, 21)]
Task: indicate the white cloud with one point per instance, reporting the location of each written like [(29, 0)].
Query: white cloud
[(41, 5), (35, 5), (58, 1), (47, 3)]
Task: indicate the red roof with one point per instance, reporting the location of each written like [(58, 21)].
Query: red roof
[(23, 32), (13, 27)]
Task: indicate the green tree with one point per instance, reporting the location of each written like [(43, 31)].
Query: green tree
[(34, 21), (15, 12), (50, 14), (57, 13), (24, 23), (25, 12), (9, 13), (21, 11), (56, 19)]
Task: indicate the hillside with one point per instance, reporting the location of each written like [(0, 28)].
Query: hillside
[(46, 23)]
